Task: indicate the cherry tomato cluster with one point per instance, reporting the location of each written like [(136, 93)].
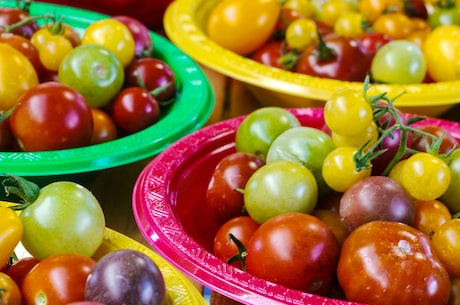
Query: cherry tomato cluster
[(61, 226), (105, 80), (363, 208), (392, 41)]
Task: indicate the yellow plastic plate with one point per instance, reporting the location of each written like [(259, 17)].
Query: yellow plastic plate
[(184, 24)]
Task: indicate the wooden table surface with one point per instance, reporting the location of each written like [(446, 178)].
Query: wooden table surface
[(113, 187)]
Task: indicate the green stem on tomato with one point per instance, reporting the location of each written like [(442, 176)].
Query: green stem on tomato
[(242, 252), (24, 189), (25, 21)]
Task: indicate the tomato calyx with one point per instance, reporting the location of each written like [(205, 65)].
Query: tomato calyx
[(388, 121), (242, 252), (323, 52), (24, 189)]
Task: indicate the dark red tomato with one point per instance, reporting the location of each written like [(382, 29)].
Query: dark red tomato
[(154, 75), (295, 250), (420, 142), (19, 269), (134, 109), (64, 120), (148, 12), (26, 47), (6, 136), (143, 43), (372, 41), (271, 54), (335, 57), (242, 228), (59, 279), (376, 198), (416, 8), (10, 16), (385, 262), (224, 196)]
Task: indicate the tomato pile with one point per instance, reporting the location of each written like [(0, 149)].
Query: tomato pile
[(63, 89), (364, 208), (61, 226), (392, 41)]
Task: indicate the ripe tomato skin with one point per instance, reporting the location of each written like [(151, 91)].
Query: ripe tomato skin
[(69, 125), (270, 54), (143, 44), (57, 280), (19, 269), (104, 128), (241, 227), (418, 142), (429, 215), (10, 293), (385, 262), (295, 250), (242, 26), (9, 16), (446, 243)]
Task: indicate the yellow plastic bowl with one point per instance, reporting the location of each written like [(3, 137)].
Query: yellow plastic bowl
[(184, 22)]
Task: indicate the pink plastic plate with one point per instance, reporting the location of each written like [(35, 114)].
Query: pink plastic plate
[(169, 208)]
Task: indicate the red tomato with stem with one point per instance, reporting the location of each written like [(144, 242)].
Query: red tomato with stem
[(64, 120), (385, 262), (296, 250)]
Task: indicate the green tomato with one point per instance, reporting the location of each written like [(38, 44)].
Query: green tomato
[(444, 16), (451, 197), (280, 187), (398, 62), (94, 71), (260, 128), (64, 218), (307, 146)]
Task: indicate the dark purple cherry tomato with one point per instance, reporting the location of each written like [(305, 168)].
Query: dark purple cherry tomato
[(10, 16), (154, 75), (134, 109), (64, 120), (143, 43), (335, 57), (224, 196), (376, 198), (415, 8)]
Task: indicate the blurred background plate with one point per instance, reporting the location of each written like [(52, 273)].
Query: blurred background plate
[(184, 22), (194, 105), (169, 205)]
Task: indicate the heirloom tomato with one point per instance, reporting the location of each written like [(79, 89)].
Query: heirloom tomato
[(441, 49), (13, 85), (242, 26), (10, 293), (446, 243), (295, 250), (57, 280), (104, 128), (386, 262), (114, 35), (67, 126), (429, 215), (224, 193)]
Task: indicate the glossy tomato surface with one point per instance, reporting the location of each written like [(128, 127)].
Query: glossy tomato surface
[(148, 12)]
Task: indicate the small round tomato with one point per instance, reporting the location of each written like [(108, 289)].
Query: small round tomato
[(104, 128), (451, 197), (429, 215), (10, 294), (13, 15), (143, 43), (420, 142), (380, 257), (333, 220), (135, 109), (225, 188), (295, 250), (113, 35), (242, 228), (20, 268), (67, 126), (395, 25), (446, 242), (242, 26), (58, 279), (25, 46)]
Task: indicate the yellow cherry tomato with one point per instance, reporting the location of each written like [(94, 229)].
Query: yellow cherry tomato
[(242, 26), (11, 229), (301, 33), (52, 47), (113, 35), (17, 75), (350, 24), (442, 53)]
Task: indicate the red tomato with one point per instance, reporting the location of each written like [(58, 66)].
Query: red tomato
[(11, 15), (384, 262), (271, 54), (19, 269), (224, 196), (242, 228), (154, 75), (420, 142), (148, 12), (338, 57), (372, 41), (59, 279), (295, 250), (67, 126)]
